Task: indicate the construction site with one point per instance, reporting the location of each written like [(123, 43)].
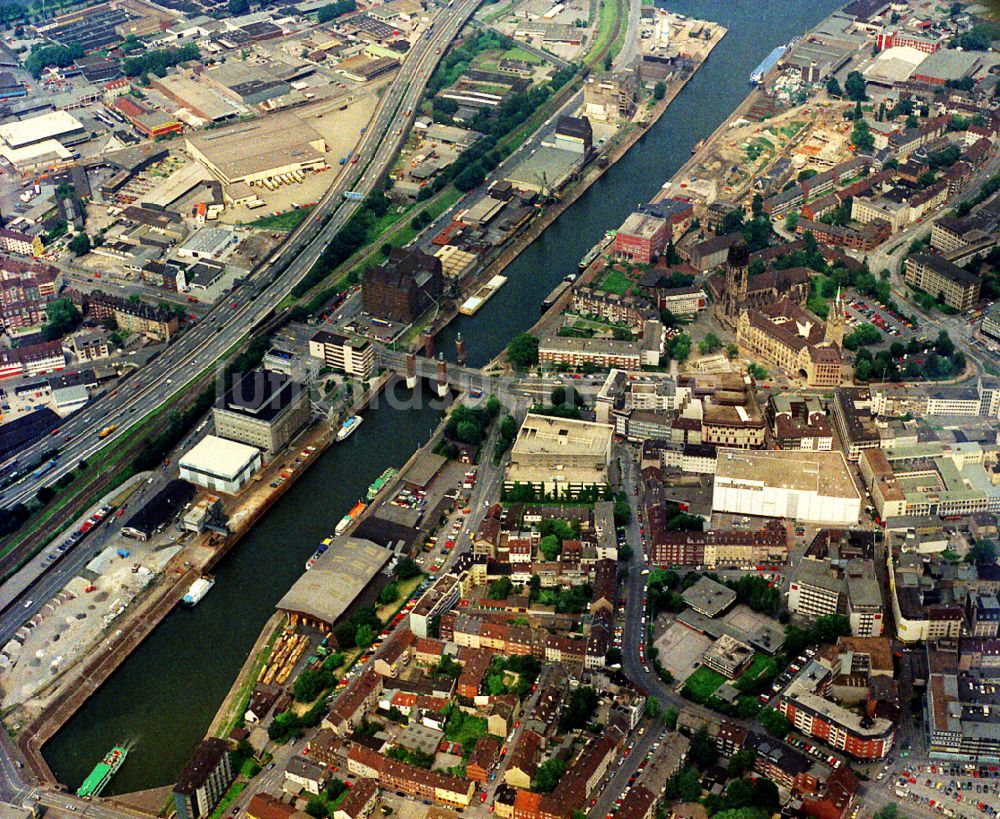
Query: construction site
[(746, 153)]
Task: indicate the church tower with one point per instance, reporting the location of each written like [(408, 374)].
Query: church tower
[(835, 322), (734, 299)]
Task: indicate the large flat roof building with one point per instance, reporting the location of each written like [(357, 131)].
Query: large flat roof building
[(263, 409), (322, 595), (259, 149), (560, 455), (59, 125), (814, 487), (218, 464)]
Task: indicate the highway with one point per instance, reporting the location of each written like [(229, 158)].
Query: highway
[(224, 326), (199, 348)]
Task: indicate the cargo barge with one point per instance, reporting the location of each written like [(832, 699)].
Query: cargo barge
[(471, 305), (350, 517), (379, 482), (319, 552)]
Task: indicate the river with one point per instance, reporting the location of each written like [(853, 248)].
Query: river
[(755, 27), (164, 696)]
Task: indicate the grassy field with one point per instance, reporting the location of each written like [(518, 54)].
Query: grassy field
[(287, 221), (615, 281), (759, 665), (464, 728), (605, 27), (517, 53), (704, 682)]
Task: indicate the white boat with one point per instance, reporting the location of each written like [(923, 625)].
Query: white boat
[(349, 427), (198, 590)]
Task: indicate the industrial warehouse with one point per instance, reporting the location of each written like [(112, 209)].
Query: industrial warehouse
[(261, 150), (340, 576), (218, 464)]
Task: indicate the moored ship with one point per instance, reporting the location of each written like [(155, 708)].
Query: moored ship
[(350, 517), (198, 590), (349, 427), (379, 482)]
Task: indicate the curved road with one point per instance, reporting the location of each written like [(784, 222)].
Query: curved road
[(165, 377)]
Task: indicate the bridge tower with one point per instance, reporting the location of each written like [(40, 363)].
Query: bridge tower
[(442, 377), (459, 350), (411, 371), (429, 343)]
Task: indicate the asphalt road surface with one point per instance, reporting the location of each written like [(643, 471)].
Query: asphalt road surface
[(226, 324)]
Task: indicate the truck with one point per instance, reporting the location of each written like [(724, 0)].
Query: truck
[(104, 433), (45, 467)]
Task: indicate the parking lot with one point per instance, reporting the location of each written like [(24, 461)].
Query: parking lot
[(951, 790), (893, 326)]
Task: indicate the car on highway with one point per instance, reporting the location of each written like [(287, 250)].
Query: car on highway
[(27, 603)]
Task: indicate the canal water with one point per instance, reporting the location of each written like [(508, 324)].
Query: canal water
[(164, 696), (755, 27)]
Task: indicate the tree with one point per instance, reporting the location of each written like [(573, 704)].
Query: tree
[(731, 222), (239, 7), (522, 352), (685, 785), (732, 351), (364, 635), (983, 551), (833, 87), (653, 707), (792, 221), (407, 569), (63, 318), (978, 38), (888, 812), (710, 343), (740, 763), (579, 709), (739, 794), (659, 90), (702, 751), (551, 547), (757, 234), (389, 594), (854, 86), (774, 722), (310, 684), (861, 136), (757, 206), (679, 347), (500, 589), (765, 795), (548, 775), (315, 806), (669, 717), (613, 657)]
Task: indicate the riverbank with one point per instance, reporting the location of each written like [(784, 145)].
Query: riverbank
[(74, 686), (193, 658), (639, 128)]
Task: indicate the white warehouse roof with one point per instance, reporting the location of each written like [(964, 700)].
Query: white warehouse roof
[(47, 126), (219, 456)]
